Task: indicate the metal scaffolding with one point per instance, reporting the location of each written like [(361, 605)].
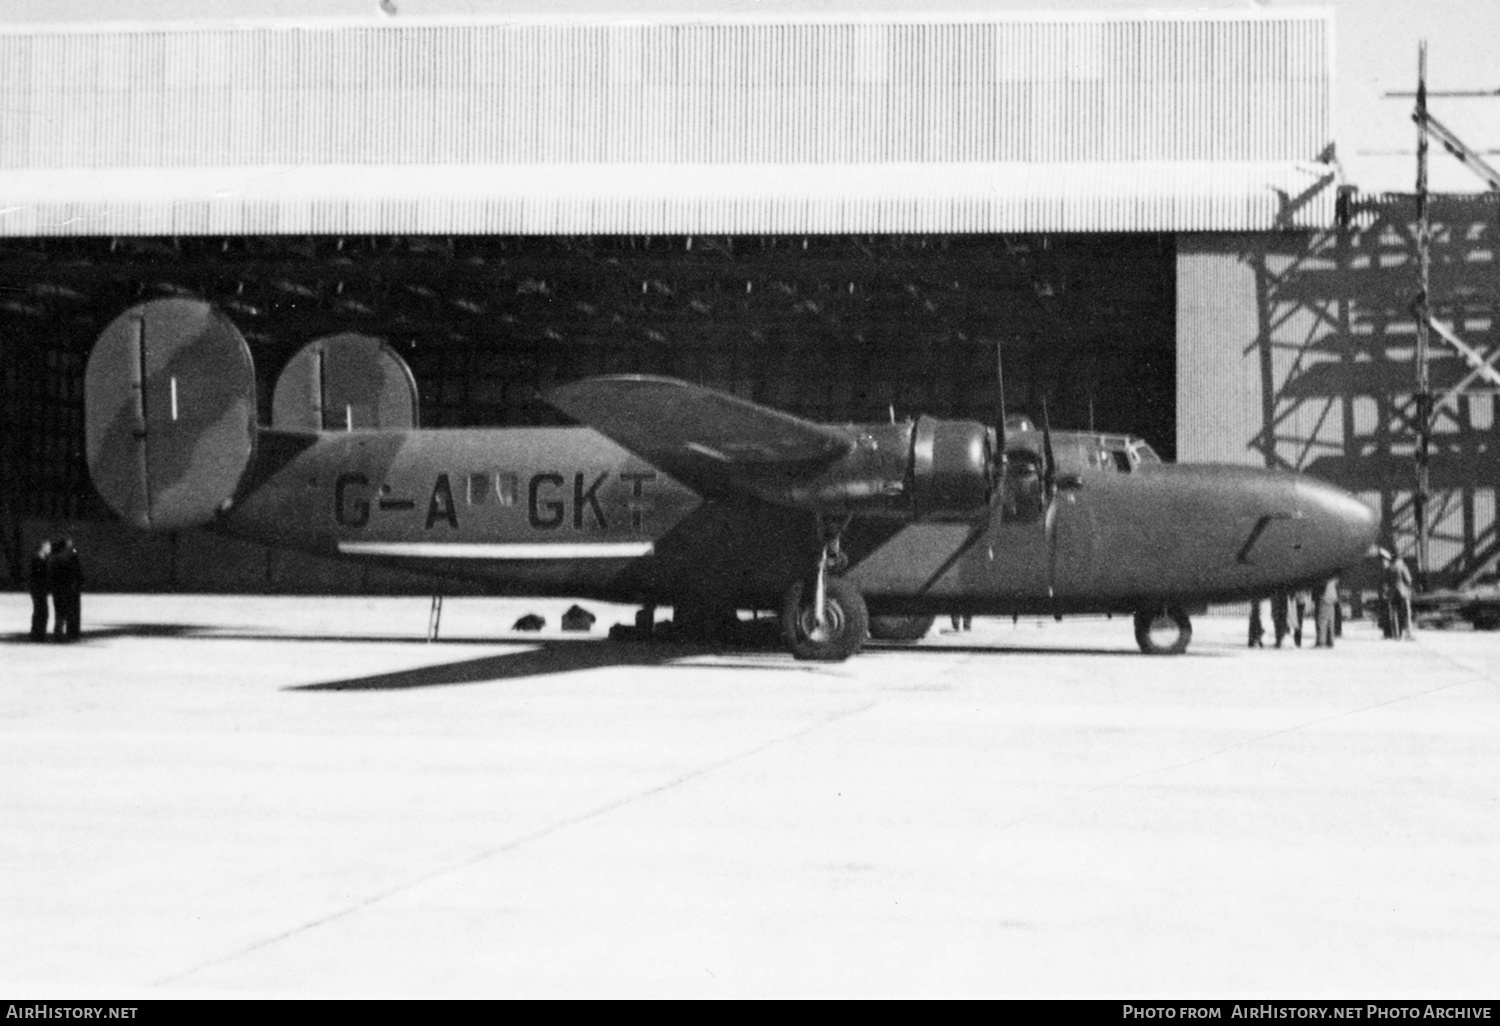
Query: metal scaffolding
[(1482, 366)]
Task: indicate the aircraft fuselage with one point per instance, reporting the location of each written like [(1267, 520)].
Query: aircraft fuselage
[(682, 495), (566, 511)]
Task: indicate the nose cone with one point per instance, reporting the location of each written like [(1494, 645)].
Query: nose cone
[(1337, 529)]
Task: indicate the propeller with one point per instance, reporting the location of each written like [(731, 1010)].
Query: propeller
[(1049, 493), (1049, 459), (997, 458), (1000, 402)]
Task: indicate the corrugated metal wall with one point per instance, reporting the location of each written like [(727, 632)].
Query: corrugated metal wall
[(1219, 387), (1050, 92), (1238, 103)]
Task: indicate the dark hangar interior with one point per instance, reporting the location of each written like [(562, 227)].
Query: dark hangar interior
[(833, 328)]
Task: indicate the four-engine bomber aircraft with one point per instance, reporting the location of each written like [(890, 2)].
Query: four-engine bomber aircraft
[(675, 494)]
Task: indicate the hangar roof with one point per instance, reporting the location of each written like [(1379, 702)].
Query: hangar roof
[(1160, 121)]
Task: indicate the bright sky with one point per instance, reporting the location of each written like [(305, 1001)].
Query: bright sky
[(1376, 52)]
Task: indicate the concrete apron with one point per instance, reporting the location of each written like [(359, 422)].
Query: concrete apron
[(297, 797)]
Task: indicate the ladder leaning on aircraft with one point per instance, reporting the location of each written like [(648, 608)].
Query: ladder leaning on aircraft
[(675, 494)]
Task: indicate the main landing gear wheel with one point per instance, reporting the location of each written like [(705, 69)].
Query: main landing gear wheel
[(846, 621), (897, 627), (1165, 630)]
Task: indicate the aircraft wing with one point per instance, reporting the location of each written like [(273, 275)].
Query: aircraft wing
[(707, 438)]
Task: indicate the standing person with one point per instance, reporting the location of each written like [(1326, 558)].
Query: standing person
[(961, 622), (1279, 625), (1400, 586), (1387, 597), (1257, 628), (67, 589), (1303, 600), (41, 585), (1328, 602)]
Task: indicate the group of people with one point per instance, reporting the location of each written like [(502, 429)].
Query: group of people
[(1322, 603), (56, 574)]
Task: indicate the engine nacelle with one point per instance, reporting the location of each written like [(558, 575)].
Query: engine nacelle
[(926, 468), (952, 468)]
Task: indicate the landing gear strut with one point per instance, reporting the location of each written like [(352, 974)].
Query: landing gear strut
[(825, 618)]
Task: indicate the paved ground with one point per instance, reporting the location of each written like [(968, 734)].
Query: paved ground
[(297, 797)]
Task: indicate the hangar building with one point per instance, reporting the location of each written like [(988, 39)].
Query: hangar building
[(839, 216)]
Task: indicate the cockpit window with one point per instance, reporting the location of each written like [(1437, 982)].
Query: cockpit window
[(1144, 453), (1123, 453), (1114, 454)]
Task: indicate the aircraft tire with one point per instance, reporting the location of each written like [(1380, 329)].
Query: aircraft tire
[(1165, 630), (895, 627), (843, 633)]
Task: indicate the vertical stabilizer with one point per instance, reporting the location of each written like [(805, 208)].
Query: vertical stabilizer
[(342, 383), (170, 411)]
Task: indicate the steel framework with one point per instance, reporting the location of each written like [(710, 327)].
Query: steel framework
[(1481, 365)]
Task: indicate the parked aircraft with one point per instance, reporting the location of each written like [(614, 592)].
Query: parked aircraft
[(675, 494)]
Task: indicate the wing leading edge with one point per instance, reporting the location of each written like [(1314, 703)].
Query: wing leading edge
[(711, 440)]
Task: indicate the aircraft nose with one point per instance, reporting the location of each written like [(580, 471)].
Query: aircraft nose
[(1339, 530)]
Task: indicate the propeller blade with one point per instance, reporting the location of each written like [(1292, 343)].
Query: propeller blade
[(1000, 402), (997, 456), (1049, 459)]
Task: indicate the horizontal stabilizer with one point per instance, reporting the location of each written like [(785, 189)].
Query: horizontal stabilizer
[(697, 434), (345, 382)]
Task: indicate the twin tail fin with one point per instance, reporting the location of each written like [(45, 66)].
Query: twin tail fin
[(170, 407)]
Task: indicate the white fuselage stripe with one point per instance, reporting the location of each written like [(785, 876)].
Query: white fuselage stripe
[(538, 550)]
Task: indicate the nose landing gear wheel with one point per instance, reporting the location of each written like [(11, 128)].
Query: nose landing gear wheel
[(846, 621), (1165, 630)]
